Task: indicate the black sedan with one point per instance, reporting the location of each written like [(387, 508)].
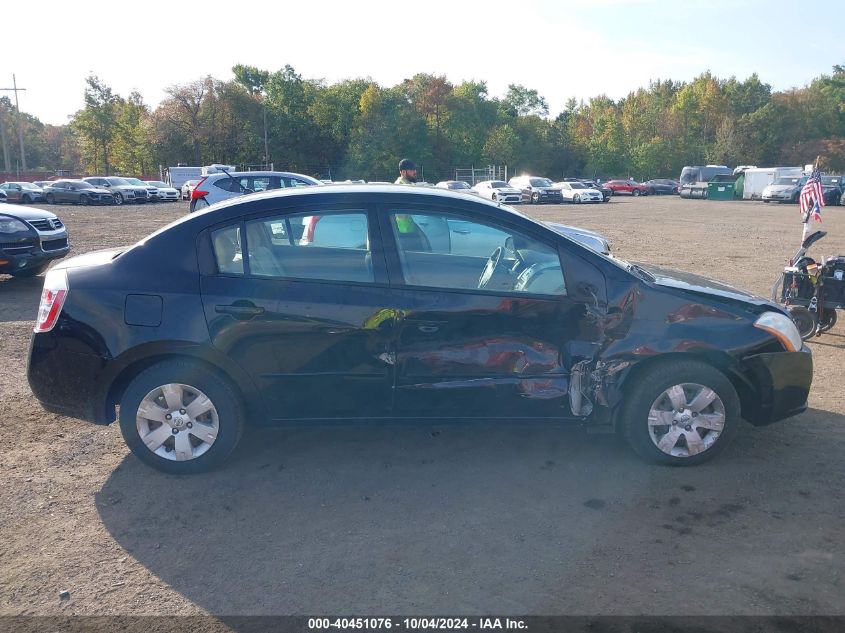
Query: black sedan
[(260, 309), (663, 186), (30, 238), (76, 192)]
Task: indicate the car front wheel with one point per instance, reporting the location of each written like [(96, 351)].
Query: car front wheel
[(118, 198), (680, 412), (636, 192), (180, 417)]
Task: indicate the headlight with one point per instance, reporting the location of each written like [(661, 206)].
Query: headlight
[(782, 327), (12, 225)]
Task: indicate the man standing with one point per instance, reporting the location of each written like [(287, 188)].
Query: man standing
[(407, 172)]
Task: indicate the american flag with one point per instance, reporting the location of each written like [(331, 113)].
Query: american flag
[(812, 196)]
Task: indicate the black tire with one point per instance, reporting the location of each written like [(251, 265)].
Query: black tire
[(186, 372), (650, 384), (83, 200), (828, 320), (493, 197), (50, 199), (777, 290), (576, 199), (766, 201), (535, 198), (26, 199), (118, 199), (31, 272), (635, 192), (804, 320)]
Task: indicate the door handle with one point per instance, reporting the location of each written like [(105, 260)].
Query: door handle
[(428, 329), (240, 311), (461, 231)]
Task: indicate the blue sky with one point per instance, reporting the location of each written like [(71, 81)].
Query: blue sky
[(561, 49)]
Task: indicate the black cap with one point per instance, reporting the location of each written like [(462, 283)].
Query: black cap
[(407, 163)]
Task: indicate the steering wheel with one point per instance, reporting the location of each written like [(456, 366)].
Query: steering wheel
[(493, 265)]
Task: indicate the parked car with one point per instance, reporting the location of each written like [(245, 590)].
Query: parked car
[(187, 188), (3, 197), (536, 190), (441, 235), (833, 187), (499, 191), (76, 192), (456, 185), (120, 188), (30, 238), (222, 318), (606, 192), (784, 189), (217, 187), (165, 191), (152, 191), (578, 192), (22, 192), (630, 187), (660, 186)]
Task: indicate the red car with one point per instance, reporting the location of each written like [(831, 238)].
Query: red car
[(627, 186)]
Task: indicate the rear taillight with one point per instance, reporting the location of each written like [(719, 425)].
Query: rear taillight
[(308, 234), (52, 299), (197, 193)]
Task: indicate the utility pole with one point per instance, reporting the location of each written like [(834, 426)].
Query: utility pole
[(266, 153), (15, 89), (6, 161)]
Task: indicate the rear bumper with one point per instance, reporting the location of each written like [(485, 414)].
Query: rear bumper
[(782, 381), (65, 382)]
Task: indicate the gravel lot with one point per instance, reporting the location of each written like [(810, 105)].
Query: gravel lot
[(436, 519)]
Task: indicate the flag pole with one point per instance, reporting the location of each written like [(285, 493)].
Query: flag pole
[(805, 219)]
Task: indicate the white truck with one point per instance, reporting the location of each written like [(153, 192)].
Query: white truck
[(758, 178), (178, 176)]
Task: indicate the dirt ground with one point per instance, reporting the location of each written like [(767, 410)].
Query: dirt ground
[(436, 519)]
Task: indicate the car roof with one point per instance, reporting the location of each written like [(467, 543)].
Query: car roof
[(240, 174)]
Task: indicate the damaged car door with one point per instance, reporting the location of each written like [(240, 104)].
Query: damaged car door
[(494, 321)]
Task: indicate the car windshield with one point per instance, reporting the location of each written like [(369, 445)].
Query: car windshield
[(786, 181), (540, 182), (134, 181), (28, 185), (157, 183), (117, 181), (76, 183), (458, 185), (498, 184), (832, 181), (577, 185)]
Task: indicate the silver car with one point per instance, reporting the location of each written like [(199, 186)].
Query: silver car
[(222, 186)]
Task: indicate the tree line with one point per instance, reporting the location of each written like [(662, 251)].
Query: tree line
[(357, 128)]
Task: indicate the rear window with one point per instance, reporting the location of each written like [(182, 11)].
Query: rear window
[(226, 243)]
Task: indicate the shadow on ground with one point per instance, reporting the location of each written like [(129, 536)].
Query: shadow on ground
[(19, 297), (479, 518)]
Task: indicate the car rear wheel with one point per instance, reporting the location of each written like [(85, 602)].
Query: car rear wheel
[(576, 199), (680, 412), (118, 198), (26, 199), (50, 199), (180, 417), (636, 192)]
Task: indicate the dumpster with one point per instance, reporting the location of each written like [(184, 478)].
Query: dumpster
[(720, 190)]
